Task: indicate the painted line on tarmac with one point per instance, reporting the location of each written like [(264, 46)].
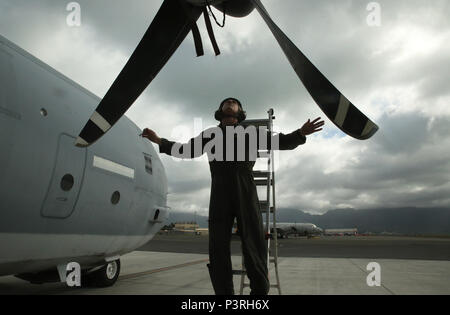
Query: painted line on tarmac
[(148, 272)]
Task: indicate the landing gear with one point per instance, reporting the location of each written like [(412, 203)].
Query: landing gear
[(281, 235), (106, 276)]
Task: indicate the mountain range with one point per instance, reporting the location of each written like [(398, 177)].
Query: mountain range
[(405, 221)]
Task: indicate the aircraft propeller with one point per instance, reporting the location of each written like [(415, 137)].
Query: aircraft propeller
[(174, 20)]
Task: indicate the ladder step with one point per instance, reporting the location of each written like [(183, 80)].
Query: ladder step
[(256, 122), (263, 182), (239, 272), (247, 285), (263, 207), (264, 210), (263, 153), (261, 174)]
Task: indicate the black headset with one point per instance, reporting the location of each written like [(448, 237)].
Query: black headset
[(219, 114)]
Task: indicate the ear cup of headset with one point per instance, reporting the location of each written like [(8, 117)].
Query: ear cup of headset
[(242, 115), (218, 115)]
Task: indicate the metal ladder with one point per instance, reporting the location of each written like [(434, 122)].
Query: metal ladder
[(265, 178)]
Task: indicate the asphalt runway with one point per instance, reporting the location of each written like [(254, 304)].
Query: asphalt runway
[(370, 247), (176, 264)]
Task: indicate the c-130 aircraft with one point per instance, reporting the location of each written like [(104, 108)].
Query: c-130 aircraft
[(61, 203)]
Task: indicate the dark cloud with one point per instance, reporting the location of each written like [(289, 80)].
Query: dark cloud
[(407, 164)]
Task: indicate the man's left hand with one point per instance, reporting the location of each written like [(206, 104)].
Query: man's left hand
[(311, 127)]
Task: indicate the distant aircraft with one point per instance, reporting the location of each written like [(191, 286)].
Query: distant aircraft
[(342, 232), (174, 20), (60, 203), (302, 229)]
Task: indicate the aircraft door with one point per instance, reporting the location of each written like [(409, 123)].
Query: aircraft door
[(66, 181)]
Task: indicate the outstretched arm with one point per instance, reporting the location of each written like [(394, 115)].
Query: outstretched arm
[(298, 137), (151, 135), (192, 149)]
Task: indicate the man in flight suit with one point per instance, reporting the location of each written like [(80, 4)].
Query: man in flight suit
[(234, 194)]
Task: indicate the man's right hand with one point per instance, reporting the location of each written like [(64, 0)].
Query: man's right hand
[(151, 135)]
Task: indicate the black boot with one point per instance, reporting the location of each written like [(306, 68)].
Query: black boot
[(220, 285)]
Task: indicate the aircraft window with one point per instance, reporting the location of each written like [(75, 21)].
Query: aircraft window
[(156, 215), (67, 182), (44, 112), (148, 163), (115, 198)]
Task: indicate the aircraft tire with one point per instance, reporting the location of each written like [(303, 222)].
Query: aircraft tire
[(105, 276)]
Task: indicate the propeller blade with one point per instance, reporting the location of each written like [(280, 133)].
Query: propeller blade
[(165, 34), (332, 102)]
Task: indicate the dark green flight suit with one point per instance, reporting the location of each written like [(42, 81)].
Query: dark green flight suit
[(234, 194)]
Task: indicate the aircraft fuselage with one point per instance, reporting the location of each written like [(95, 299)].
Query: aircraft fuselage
[(60, 203)]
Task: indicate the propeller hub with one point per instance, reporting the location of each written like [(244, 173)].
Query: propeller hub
[(235, 8)]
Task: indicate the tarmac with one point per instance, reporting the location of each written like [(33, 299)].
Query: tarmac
[(407, 266)]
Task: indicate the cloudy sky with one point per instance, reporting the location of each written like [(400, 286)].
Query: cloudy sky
[(396, 73)]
